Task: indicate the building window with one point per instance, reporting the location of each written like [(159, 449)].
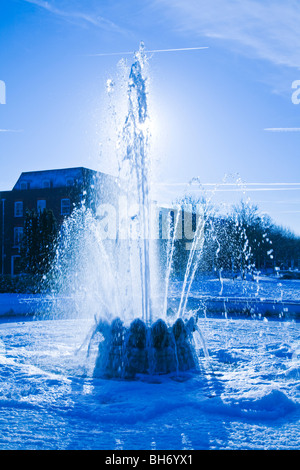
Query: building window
[(19, 209), (41, 205), (15, 265), (70, 181), (24, 185), (46, 184), (18, 235), (65, 206)]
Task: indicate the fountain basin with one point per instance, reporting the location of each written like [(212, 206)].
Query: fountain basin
[(246, 307), (35, 304), (125, 352)]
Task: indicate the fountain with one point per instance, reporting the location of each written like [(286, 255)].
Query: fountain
[(117, 278), (145, 346)]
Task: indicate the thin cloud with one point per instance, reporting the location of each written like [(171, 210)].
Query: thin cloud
[(11, 130), (282, 129), (248, 189), (95, 20), (276, 211), (231, 187), (266, 30), (231, 184)]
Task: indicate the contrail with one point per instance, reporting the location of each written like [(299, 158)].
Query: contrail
[(155, 50), (283, 129), (234, 187), (251, 189), (231, 184), (11, 130)]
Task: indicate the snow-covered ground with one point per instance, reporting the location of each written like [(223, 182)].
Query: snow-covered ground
[(246, 395)]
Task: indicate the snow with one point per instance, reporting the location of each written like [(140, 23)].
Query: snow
[(246, 395)]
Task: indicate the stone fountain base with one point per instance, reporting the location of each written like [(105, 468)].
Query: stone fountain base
[(138, 349)]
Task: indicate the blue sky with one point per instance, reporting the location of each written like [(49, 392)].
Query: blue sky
[(210, 107)]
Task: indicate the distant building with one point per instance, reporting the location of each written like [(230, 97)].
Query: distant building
[(59, 190)]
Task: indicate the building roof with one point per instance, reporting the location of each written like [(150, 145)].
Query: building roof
[(55, 178)]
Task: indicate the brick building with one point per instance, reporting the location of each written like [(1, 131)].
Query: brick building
[(59, 190)]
